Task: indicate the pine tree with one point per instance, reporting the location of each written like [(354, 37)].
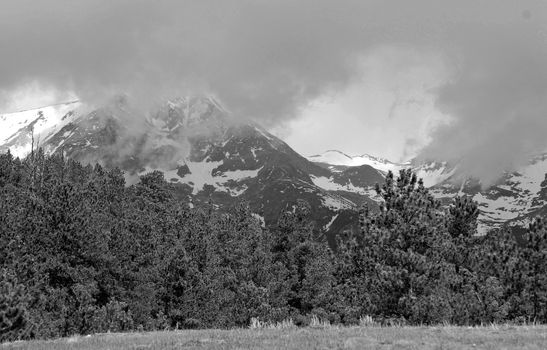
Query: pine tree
[(463, 215), (306, 260), (410, 259), (411, 227), (534, 265), (13, 308)]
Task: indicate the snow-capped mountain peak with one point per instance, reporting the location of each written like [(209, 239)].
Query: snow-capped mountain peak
[(335, 157)]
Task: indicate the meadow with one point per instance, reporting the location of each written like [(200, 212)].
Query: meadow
[(321, 337)]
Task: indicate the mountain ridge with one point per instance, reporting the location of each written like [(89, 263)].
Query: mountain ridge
[(209, 155), (205, 154)]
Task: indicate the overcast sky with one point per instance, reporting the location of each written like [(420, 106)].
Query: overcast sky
[(456, 80)]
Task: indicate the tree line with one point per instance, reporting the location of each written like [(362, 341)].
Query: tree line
[(81, 252)]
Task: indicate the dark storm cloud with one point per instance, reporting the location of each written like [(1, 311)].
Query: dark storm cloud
[(266, 59), (262, 58)]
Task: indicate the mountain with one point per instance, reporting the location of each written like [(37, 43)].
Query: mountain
[(515, 199), (212, 156), (206, 153)]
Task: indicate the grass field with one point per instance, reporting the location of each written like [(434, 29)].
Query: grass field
[(494, 337)]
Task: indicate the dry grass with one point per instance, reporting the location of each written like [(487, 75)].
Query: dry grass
[(257, 324), (318, 336)]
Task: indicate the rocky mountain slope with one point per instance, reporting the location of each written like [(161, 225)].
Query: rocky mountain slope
[(203, 151), (210, 156)]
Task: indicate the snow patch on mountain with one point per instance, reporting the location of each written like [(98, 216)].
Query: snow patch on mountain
[(434, 173), (336, 202), (531, 177), (203, 173), (335, 157), (17, 129), (328, 183)]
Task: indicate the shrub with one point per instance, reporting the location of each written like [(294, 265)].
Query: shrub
[(113, 317)]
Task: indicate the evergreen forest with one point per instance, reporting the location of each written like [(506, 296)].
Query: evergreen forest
[(82, 252)]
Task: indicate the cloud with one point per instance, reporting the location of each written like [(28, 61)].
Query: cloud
[(268, 59), (262, 59), (389, 110), (498, 101)]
